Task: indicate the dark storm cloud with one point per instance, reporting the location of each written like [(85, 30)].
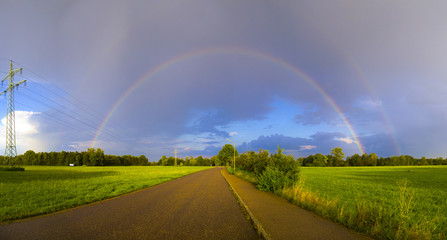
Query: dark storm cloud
[(392, 52)]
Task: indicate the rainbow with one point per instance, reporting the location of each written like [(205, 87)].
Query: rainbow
[(236, 51), (373, 93)]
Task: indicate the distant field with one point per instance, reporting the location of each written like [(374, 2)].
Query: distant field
[(40, 190), (375, 190)]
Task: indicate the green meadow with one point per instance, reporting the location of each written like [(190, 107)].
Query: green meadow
[(385, 202), (41, 190)]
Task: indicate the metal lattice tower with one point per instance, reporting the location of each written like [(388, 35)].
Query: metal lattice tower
[(11, 150)]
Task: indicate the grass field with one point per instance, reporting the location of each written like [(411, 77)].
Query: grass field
[(40, 190), (386, 202)]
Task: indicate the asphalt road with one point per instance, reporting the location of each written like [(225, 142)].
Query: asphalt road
[(197, 206)]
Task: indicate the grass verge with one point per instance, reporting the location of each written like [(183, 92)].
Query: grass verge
[(41, 190)]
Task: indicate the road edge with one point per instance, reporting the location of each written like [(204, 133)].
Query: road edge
[(256, 223)]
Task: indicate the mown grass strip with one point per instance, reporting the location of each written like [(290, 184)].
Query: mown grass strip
[(41, 190), (12, 169)]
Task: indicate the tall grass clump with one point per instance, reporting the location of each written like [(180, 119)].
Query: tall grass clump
[(388, 207), (384, 222)]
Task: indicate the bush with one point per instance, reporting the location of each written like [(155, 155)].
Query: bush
[(271, 180), (262, 161), (273, 171)]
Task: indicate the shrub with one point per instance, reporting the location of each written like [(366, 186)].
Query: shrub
[(273, 171), (262, 161), (271, 180)]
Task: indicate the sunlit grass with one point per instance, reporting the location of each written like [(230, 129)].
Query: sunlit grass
[(387, 202), (40, 190)]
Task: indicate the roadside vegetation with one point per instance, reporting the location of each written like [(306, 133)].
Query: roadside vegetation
[(401, 202), (41, 189)]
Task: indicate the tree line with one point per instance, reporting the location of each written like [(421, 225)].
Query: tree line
[(188, 161), (96, 157), (335, 159), (91, 157), (320, 160)]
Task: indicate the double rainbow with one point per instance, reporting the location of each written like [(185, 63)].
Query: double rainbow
[(228, 50)]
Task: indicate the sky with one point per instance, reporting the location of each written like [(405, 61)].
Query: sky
[(148, 77)]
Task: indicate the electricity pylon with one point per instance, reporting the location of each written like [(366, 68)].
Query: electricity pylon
[(11, 150)]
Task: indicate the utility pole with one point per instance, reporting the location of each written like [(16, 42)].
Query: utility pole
[(175, 151), (11, 150), (234, 155)]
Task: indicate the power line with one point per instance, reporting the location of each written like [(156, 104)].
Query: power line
[(88, 123), (74, 103), (91, 117)]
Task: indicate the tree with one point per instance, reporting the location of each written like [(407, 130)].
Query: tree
[(373, 158), (29, 158), (163, 161), (192, 161), (320, 160), (338, 154), (96, 156), (226, 154), (355, 160), (200, 161), (308, 161), (214, 161), (143, 160), (365, 160)]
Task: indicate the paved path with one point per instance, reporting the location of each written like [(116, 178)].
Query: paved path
[(283, 220), (197, 206)]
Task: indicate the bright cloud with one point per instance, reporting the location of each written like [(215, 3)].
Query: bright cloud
[(346, 140), (27, 130), (23, 123), (307, 147)]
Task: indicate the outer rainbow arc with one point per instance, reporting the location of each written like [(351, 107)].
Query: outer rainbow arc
[(231, 50), (373, 93)]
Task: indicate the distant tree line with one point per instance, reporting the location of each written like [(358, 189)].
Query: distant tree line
[(96, 157), (320, 160), (188, 161), (336, 159), (92, 157)]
